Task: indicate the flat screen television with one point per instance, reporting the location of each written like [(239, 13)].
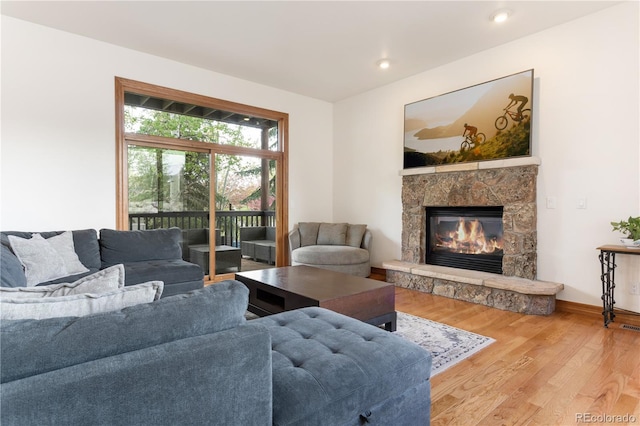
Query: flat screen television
[(488, 121)]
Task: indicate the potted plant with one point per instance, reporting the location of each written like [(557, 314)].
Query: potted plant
[(629, 227)]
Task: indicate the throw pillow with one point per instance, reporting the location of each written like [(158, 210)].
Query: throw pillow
[(40, 259), (355, 233), (108, 279), (80, 304), (308, 233), (63, 244), (332, 234)]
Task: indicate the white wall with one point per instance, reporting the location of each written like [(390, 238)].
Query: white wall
[(586, 131), (58, 128)]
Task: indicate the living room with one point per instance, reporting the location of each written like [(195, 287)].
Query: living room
[(58, 150), (585, 80)]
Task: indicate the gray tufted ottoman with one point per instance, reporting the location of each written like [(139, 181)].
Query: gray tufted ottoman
[(329, 369)]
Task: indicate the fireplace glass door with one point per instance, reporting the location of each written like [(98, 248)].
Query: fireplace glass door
[(465, 237)]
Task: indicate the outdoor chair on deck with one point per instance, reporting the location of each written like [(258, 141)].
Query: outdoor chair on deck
[(259, 243)]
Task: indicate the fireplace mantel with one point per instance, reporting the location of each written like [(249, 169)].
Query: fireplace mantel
[(480, 165)]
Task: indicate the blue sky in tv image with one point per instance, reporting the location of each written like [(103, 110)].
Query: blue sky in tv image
[(437, 123), (443, 110)]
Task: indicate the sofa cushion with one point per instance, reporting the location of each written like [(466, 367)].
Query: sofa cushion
[(169, 271), (308, 233), (135, 246), (355, 233), (78, 305), (329, 368), (11, 272), (86, 246), (85, 242), (329, 255), (103, 281), (29, 347), (332, 234), (40, 259)]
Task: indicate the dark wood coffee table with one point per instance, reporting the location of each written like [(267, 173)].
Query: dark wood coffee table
[(283, 289)]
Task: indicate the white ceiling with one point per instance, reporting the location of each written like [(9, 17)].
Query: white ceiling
[(325, 50)]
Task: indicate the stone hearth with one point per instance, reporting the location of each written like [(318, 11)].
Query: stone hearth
[(507, 183), (497, 291)]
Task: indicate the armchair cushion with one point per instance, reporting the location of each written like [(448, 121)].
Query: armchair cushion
[(308, 233), (334, 234), (329, 255), (355, 233)]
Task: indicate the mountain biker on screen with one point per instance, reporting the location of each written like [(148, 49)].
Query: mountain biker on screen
[(515, 99), (471, 129)]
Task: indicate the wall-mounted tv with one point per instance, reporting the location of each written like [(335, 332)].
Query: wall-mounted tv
[(488, 121)]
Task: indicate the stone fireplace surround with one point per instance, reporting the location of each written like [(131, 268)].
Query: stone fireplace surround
[(508, 183)]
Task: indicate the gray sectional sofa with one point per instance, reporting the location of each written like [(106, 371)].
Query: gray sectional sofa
[(146, 256), (211, 367)]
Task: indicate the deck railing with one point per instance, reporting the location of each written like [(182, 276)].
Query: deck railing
[(228, 222)]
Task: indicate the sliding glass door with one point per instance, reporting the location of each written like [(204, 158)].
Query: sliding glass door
[(208, 167)]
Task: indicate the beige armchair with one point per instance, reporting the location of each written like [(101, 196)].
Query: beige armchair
[(339, 247)]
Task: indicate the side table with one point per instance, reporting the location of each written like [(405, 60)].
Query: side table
[(227, 257), (607, 276)]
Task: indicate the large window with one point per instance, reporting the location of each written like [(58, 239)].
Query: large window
[(213, 168)]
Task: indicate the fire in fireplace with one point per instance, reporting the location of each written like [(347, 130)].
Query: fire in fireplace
[(465, 237)]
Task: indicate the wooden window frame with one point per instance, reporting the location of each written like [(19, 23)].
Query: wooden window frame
[(280, 155)]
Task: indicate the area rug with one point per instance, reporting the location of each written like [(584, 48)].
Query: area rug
[(448, 345)]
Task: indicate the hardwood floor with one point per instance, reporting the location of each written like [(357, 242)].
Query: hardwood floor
[(563, 369)]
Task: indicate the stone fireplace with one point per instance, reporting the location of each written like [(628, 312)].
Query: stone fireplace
[(512, 188), (507, 186)]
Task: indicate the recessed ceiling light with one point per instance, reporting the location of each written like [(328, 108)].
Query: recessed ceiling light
[(501, 16), (383, 64)]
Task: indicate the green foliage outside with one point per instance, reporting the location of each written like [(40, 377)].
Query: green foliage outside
[(152, 176)]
